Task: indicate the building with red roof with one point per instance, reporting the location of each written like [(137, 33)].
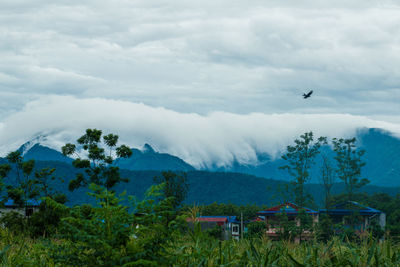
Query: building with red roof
[(273, 218), (228, 224)]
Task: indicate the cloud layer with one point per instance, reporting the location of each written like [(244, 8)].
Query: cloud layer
[(201, 140), (207, 81), (233, 56)]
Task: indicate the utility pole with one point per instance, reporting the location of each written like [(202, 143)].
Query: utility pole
[(241, 225)]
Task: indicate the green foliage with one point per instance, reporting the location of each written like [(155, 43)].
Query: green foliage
[(17, 250), (286, 226), (304, 224), (328, 177), (14, 221), (175, 186), (376, 230), (157, 225), (324, 229), (299, 159), (256, 229), (28, 187), (97, 167), (101, 231), (349, 164), (153, 232), (248, 211), (46, 221), (24, 188)]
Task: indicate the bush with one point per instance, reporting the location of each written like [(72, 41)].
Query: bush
[(324, 229), (215, 232), (46, 221), (256, 229), (14, 221)]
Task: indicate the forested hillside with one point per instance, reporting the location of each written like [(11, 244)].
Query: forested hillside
[(382, 160), (204, 187)]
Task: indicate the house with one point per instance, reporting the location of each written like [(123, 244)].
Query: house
[(31, 207), (273, 218), (362, 216), (229, 225)]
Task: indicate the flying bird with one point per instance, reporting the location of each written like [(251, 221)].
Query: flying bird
[(308, 94)]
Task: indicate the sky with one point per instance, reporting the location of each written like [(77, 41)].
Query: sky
[(207, 80)]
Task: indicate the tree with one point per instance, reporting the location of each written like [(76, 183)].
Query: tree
[(256, 229), (349, 164), (300, 159), (43, 180), (104, 230), (46, 221), (324, 228), (98, 166), (24, 188), (328, 179), (176, 186)]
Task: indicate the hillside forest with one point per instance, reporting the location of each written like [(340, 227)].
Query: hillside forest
[(116, 228)]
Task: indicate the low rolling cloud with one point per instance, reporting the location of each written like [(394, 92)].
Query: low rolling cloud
[(208, 81), (202, 140)]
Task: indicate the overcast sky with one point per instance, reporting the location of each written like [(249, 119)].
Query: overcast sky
[(196, 58)]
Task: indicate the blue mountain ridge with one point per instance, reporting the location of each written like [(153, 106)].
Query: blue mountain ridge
[(43, 153), (382, 159), (225, 186), (148, 159)]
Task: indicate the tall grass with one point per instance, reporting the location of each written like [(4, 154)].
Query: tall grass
[(264, 252), (198, 249)]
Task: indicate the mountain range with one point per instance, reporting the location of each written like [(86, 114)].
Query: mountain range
[(238, 183), (382, 158)]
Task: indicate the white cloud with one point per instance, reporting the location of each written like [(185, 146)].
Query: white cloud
[(206, 81), (199, 139), (236, 56)]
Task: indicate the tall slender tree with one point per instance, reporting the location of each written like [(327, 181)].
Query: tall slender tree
[(328, 177), (349, 163), (300, 158), (324, 229), (98, 167), (24, 187), (176, 186)]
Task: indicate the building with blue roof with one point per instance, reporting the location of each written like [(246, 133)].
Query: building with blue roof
[(364, 215), (272, 217), (229, 225), (32, 205), (349, 213)]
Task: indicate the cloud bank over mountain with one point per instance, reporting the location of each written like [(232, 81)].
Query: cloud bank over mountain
[(201, 56), (201, 140)]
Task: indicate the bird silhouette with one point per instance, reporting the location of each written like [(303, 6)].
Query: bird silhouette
[(307, 95)]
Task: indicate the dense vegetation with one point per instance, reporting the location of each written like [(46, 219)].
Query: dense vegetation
[(120, 230), (200, 250), (204, 187), (107, 235)]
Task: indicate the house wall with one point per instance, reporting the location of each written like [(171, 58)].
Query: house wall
[(382, 220), (21, 211), (7, 210)]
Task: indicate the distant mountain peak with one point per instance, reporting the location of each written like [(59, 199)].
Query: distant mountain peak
[(31, 143), (148, 149)]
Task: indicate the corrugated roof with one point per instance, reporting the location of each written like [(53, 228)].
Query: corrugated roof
[(288, 208), (31, 202), (350, 207), (212, 219), (216, 218)]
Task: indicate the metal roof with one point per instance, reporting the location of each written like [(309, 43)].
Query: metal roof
[(288, 208), (350, 207), (224, 219), (31, 202)]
